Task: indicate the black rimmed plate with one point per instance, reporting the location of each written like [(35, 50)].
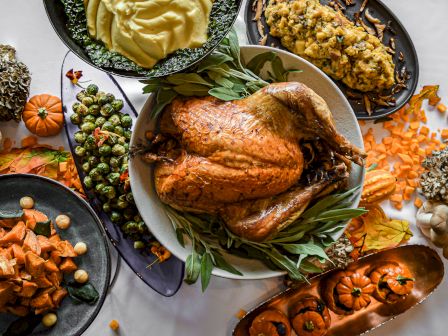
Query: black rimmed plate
[(52, 198), (403, 44), (165, 278), (222, 18)]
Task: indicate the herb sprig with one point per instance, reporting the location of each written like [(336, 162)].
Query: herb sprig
[(222, 75), (288, 250)]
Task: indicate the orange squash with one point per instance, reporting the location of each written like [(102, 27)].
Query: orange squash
[(378, 185), (43, 115), (345, 292), (310, 317), (271, 322), (392, 281)]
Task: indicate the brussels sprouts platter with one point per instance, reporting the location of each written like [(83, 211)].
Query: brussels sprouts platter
[(166, 277)]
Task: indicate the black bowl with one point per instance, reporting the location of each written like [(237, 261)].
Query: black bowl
[(175, 62), (403, 43)]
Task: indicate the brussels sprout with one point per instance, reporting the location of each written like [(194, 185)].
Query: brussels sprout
[(110, 97), (89, 118), (87, 101), (99, 122), (106, 110), (80, 151), (104, 159), (75, 107), (83, 110), (128, 213), (92, 89), (93, 161), (142, 228), (105, 150), (117, 104), (107, 126), (114, 119), (113, 178), (75, 118), (88, 127), (118, 150), (109, 192), (80, 137), (88, 182), (106, 207), (122, 203), (99, 188), (95, 174), (126, 121), (138, 218), (90, 142), (123, 168), (86, 167), (102, 99), (103, 168), (130, 197), (114, 162), (130, 227), (127, 134), (80, 95), (121, 141), (126, 147), (94, 109), (119, 130), (138, 245), (115, 217)]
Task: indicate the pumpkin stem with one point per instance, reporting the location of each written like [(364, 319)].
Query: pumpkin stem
[(402, 280), (42, 112), (356, 291), (309, 326)]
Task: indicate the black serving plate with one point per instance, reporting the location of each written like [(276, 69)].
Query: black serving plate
[(175, 62), (165, 278), (53, 199), (402, 40)]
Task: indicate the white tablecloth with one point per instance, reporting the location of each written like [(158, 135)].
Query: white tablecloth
[(140, 311)]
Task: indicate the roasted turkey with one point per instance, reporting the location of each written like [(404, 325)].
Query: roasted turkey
[(256, 162)]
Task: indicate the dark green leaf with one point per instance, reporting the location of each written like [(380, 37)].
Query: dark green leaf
[(189, 90), (185, 78), (223, 94), (8, 214), (163, 98), (23, 326), (221, 263), (83, 293), (206, 270), (310, 249), (234, 47), (151, 88), (192, 267), (215, 59), (43, 228), (278, 69), (257, 63), (180, 236), (284, 263), (309, 267)]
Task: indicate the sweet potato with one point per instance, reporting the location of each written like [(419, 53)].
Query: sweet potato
[(6, 292), (6, 267), (31, 243), (66, 249), (15, 236), (18, 253), (45, 244), (68, 266), (32, 216), (8, 223), (42, 281), (58, 295), (55, 278), (50, 266), (28, 289), (34, 264), (42, 301)]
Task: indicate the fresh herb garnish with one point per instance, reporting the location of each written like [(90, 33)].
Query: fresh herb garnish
[(43, 228), (308, 236), (222, 75), (83, 293)]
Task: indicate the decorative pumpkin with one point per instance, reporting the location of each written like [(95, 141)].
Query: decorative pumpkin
[(310, 317), (378, 185), (43, 115), (271, 322), (345, 292), (392, 281)]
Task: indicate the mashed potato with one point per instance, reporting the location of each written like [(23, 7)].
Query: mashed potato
[(146, 31), (331, 42)]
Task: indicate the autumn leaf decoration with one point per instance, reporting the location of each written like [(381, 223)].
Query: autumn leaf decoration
[(74, 76), (375, 231)]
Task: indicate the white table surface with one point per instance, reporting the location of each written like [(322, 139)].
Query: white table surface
[(142, 312)]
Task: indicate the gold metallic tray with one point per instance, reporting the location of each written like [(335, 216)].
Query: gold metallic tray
[(423, 262)]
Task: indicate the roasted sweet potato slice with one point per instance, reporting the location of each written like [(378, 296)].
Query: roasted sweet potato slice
[(54, 239), (55, 278), (15, 236), (43, 282), (68, 266), (34, 264), (66, 249), (2, 232), (45, 244), (8, 223), (6, 292), (31, 243), (18, 310), (28, 289), (6, 267), (42, 301), (50, 266), (32, 216), (58, 295), (18, 254)]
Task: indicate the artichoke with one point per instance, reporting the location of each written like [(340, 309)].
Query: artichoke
[(15, 82)]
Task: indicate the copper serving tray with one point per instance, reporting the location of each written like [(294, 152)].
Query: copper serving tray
[(423, 262)]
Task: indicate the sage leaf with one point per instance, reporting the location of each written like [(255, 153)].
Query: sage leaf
[(223, 93), (185, 78), (192, 267), (221, 263), (310, 249), (284, 263), (180, 236), (215, 59), (43, 228), (206, 270), (258, 62), (163, 98), (189, 89), (308, 267), (83, 293)]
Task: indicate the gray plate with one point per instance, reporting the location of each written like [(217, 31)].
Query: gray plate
[(52, 198)]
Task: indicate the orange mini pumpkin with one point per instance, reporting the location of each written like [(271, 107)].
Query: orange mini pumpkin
[(345, 292), (43, 115), (378, 185), (310, 317), (392, 281), (271, 322)]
